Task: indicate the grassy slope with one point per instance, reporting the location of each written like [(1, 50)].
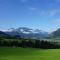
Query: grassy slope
[(29, 54)]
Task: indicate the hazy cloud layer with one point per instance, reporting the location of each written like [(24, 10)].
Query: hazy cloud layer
[(49, 12)]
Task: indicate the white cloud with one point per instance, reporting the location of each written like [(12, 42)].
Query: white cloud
[(56, 21), (24, 1), (57, 0), (54, 0), (32, 8), (49, 12)]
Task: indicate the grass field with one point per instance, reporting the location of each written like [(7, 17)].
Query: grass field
[(29, 54)]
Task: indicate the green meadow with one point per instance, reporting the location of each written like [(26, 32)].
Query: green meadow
[(29, 54)]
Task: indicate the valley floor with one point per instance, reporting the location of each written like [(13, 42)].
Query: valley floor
[(29, 54)]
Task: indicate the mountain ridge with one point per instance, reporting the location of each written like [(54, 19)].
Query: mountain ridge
[(25, 32)]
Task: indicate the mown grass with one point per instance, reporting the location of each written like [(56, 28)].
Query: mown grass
[(29, 54)]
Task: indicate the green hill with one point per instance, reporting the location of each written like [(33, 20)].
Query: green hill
[(29, 54)]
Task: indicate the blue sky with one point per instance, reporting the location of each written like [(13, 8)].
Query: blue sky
[(36, 14)]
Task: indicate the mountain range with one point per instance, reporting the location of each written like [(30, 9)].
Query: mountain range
[(25, 32)]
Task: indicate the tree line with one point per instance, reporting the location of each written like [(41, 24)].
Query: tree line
[(28, 43)]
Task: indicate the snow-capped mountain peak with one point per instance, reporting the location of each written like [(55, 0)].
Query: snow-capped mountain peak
[(26, 32)]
